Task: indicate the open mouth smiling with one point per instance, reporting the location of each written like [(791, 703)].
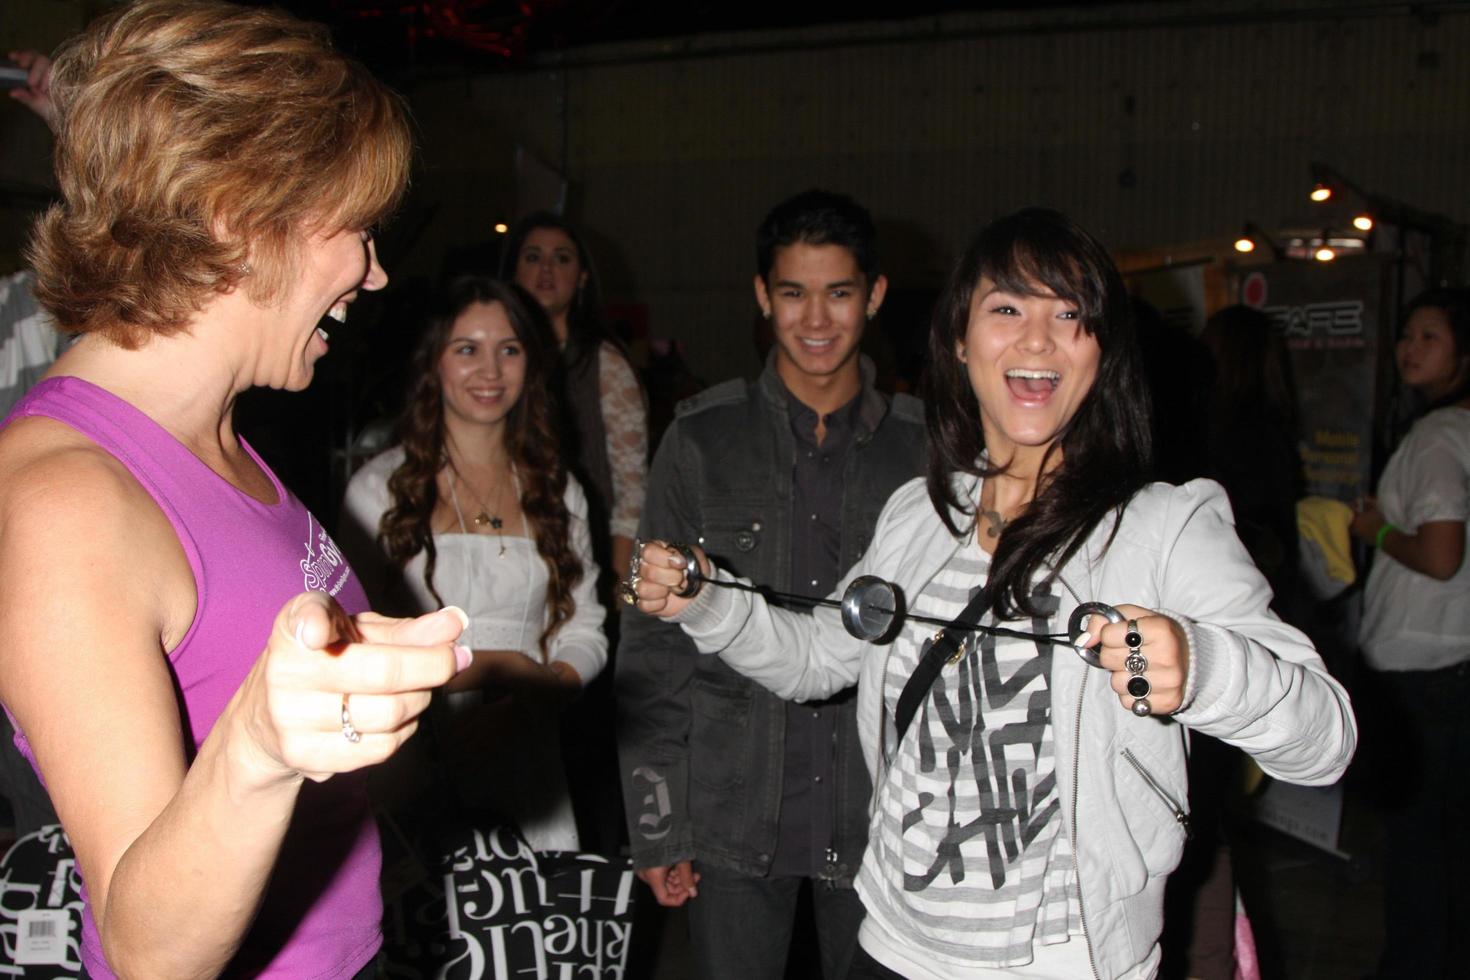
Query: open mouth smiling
[(1032, 382)]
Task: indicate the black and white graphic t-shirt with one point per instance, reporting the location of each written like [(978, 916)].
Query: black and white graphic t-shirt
[(967, 858)]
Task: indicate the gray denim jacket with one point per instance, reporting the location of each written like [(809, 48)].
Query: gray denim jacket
[(701, 748)]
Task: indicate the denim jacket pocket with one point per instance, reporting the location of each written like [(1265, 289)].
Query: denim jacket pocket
[(719, 733), (734, 530)]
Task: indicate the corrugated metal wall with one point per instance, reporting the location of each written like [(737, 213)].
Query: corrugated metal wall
[(1151, 124)]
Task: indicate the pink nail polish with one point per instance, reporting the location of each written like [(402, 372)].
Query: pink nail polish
[(461, 615), (462, 658)]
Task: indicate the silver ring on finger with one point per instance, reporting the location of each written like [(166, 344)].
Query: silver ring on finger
[(349, 732), (638, 545), (1137, 685), (1136, 663)]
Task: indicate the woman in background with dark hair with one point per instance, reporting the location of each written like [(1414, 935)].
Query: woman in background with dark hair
[(474, 507), (1026, 824), (548, 258), (1415, 637)]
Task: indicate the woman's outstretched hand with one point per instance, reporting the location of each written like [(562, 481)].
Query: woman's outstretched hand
[(334, 693), (1162, 651), (36, 93), (657, 575)]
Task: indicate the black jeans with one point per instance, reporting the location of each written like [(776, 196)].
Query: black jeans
[(1423, 736), (740, 926), (864, 967)]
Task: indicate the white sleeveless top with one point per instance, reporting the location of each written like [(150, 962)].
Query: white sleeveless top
[(505, 598)]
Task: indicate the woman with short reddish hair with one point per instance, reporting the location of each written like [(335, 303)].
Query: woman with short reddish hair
[(189, 662)]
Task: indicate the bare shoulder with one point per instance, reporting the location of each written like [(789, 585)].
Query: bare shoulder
[(71, 513), (49, 470)]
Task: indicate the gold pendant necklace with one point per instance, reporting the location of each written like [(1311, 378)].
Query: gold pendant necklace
[(484, 518)]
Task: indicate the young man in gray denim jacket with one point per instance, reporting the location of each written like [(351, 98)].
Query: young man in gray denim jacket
[(735, 797)]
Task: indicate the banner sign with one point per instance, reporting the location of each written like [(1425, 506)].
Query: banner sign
[(1330, 314)]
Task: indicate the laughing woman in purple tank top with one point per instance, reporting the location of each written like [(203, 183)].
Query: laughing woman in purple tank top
[(188, 659)]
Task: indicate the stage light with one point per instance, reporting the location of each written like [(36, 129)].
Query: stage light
[(1245, 244), (1363, 222), (1324, 254), (1321, 191), (501, 227)]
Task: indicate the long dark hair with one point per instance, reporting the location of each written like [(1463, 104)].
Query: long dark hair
[(586, 328), (530, 442), (1106, 447)]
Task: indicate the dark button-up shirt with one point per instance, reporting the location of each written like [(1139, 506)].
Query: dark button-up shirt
[(804, 832)]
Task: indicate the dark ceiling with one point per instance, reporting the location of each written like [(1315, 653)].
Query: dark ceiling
[(409, 35)]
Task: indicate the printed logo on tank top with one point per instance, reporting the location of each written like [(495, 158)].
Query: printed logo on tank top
[(323, 568)]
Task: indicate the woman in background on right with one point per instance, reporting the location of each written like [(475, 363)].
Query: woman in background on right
[(605, 403), (1415, 638)]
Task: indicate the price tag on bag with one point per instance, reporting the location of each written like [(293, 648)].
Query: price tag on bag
[(41, 937)]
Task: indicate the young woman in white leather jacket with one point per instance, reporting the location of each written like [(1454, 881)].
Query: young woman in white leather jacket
[(1024, 825)]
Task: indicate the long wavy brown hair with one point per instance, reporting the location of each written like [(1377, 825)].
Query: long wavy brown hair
[(531, 444)]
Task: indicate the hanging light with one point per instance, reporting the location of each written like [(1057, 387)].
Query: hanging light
[(1363, 222), (1321, 191), (1324, 254), (1254, 238), (501, 227)]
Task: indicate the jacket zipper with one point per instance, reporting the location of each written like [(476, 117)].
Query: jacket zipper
[(1076, 830), (1181, 817)]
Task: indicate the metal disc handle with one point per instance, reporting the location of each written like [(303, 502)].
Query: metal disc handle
[(693, 577), (1079, 620), (869, 606)]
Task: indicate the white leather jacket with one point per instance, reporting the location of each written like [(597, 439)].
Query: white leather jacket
[(1253, 682)]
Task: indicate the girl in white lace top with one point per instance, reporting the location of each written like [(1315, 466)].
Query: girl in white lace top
[(547, 257), (474, 508)]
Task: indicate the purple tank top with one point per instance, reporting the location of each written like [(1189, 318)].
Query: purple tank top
[(321, 914)]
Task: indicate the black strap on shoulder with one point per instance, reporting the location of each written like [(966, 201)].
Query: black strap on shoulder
[(945, 647)]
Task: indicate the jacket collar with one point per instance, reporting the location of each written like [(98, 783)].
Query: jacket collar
[(872, 406)]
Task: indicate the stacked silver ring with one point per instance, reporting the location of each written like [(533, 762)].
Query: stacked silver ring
[(1136, 663), (628, 588), (348, 731)]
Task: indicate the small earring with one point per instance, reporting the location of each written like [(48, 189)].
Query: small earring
[(766, 314), (245, 269), (872, 313)]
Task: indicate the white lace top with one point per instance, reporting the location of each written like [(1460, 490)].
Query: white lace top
[(625, 421)]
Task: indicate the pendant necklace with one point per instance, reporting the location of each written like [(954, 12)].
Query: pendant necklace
[(483, 518), (995, 524)]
